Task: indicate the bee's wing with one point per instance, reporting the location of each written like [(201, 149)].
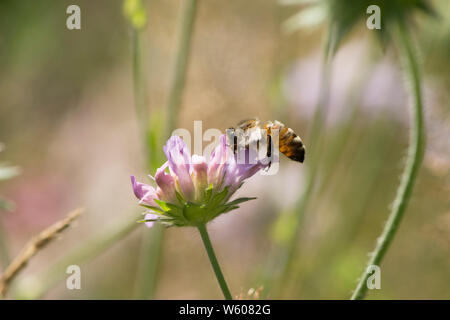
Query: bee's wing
[(245, 131), (248, 123), (230, 132), (254, 134)]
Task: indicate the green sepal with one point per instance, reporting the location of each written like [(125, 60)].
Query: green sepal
[(156, 209), (155, 220), (169, 208), (239, 186), (240, 200), (180, 198), (220, 210), (230, 208), (218, 198), (208, 193), (166, 206), (195, 213)]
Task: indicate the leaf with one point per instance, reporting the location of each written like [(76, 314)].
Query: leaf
[(170, 208), (230, 208), (8, 172), (220, 210), (156, 209), (218, 198), (162, 204), (240, 200)]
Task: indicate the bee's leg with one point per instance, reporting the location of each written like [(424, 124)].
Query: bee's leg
[(269, 146), (231, 135), (269, 151)]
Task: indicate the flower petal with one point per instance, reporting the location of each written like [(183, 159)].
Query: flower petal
[(179, 160), (237, 173), (150, 216), (199, 175), (166, 183), (218, 163), (143, 192)]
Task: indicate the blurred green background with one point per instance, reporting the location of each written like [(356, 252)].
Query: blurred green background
[(67, 119)]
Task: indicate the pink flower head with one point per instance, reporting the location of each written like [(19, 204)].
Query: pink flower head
[(194, 191)]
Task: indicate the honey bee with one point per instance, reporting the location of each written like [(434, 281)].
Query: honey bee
[(290, 144)]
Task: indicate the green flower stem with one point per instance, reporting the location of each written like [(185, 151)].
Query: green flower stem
[(413, 161), (214, 263), (139, 84), (342, 145), (185, 32), (149, 262), (149, 256), (315, 141), (152, 241)]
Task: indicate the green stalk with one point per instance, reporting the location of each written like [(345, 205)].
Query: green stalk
[(214, 263), (149, 262), (315, 142), (149, 257), (413, 161), (139, 84), (152, 241), (332, 184), (178, 80)]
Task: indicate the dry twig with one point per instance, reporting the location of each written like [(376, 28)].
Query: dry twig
[(32, 247)]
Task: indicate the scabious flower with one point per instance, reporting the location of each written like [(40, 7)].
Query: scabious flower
[(192, 191), (344, 15)]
